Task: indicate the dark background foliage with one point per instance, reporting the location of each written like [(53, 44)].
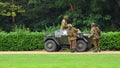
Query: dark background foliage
[(40, 14), (41, 17)]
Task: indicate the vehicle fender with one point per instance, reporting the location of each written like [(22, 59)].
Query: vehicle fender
[(52, 38), (83, 38)]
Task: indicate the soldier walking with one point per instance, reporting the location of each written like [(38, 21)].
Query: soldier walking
[(64, 22), (95, 35), (72, 35)]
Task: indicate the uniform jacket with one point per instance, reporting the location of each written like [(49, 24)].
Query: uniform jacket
[(95, 33), (63, 24), (72, 33)]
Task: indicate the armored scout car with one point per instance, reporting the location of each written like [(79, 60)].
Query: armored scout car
[(59, 40)]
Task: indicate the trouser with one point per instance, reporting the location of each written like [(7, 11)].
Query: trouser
[(72, 44), (96, 44)]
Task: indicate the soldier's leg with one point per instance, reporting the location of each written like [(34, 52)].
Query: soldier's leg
[(73, 45), (95, 44), (98, 45), (70, 44), (71, 48)]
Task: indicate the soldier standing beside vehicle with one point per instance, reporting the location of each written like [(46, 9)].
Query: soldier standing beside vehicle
[(95, 35), (64, 22), (72, 36)]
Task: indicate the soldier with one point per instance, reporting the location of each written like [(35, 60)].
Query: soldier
[(72, 35), (64, 22), (95, 35)]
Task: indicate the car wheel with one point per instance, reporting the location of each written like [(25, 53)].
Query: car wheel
[(50, 46), (81, 46)]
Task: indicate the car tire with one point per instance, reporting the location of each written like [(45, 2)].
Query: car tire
[(50, 46), (81, 46)]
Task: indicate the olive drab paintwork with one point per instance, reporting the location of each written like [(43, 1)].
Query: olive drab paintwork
[(60, 40)]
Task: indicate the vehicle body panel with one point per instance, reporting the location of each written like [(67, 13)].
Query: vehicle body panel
[(61, 37)]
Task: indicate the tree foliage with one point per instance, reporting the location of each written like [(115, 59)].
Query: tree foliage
[(45, 13), (8, 9)]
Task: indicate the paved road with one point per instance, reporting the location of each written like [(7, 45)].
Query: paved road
[(61, 52)]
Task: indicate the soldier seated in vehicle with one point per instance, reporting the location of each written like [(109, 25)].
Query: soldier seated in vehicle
[(64, 22)]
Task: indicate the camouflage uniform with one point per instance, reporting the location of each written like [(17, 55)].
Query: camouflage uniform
[(72, 35), (95, 35)]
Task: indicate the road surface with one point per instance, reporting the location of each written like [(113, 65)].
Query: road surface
[(61, 52)]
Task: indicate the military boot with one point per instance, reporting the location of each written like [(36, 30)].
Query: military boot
[(95, 51), (99, 50), (72, 50)]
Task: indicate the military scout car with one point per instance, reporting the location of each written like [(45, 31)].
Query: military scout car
[(60, 40)]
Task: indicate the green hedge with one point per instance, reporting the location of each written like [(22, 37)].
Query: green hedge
[(110, 41), (21, 41), (26, 41)]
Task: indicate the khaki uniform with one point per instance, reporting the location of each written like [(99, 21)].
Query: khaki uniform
[(72, 35), (64, 24), (95, 35)]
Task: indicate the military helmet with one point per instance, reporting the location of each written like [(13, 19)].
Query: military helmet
[(69, 25), (93, 24), (66, 17)]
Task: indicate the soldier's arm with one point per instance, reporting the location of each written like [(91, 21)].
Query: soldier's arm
[(92, 33), (99, 31), (75, 30), (78, 31)]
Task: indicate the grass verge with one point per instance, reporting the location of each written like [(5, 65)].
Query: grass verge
[(60, 61)]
